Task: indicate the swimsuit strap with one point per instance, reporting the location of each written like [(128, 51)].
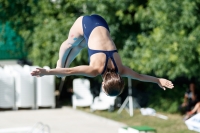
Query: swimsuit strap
[(109, 54)]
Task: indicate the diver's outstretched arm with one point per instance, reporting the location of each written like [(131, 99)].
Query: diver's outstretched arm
[(84, 70), (127, 72)]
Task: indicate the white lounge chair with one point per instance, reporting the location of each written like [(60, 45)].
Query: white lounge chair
[(82, 96), (103, 102), (45, 88), (24, 86), (7, 98)]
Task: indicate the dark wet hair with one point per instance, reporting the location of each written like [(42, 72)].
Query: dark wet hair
[(113, 83)]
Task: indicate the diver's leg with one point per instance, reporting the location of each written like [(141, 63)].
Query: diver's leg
[(75, 37), (72, 55), (74, 52), (68, 51)]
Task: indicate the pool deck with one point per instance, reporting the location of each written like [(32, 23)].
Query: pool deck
[(62, 120)]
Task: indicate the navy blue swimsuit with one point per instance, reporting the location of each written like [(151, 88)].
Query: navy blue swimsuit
[(88, 24)]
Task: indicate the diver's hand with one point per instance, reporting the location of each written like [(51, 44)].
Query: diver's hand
[(39, 72), (164, 83)]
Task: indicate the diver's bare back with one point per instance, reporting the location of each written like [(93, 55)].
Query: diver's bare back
[(100, 39)]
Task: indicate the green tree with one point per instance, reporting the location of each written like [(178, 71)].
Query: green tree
[(65, 12), (159, 37), (44, 25), (20, 17), (168, 44)]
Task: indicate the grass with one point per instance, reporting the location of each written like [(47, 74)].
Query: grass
[(174, 123)]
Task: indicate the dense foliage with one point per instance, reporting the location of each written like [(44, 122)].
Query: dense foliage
[(168, 43), (153, 37)]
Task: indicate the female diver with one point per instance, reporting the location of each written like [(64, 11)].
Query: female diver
[(93, 32)]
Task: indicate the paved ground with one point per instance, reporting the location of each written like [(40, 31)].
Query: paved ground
[(63, 120)]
